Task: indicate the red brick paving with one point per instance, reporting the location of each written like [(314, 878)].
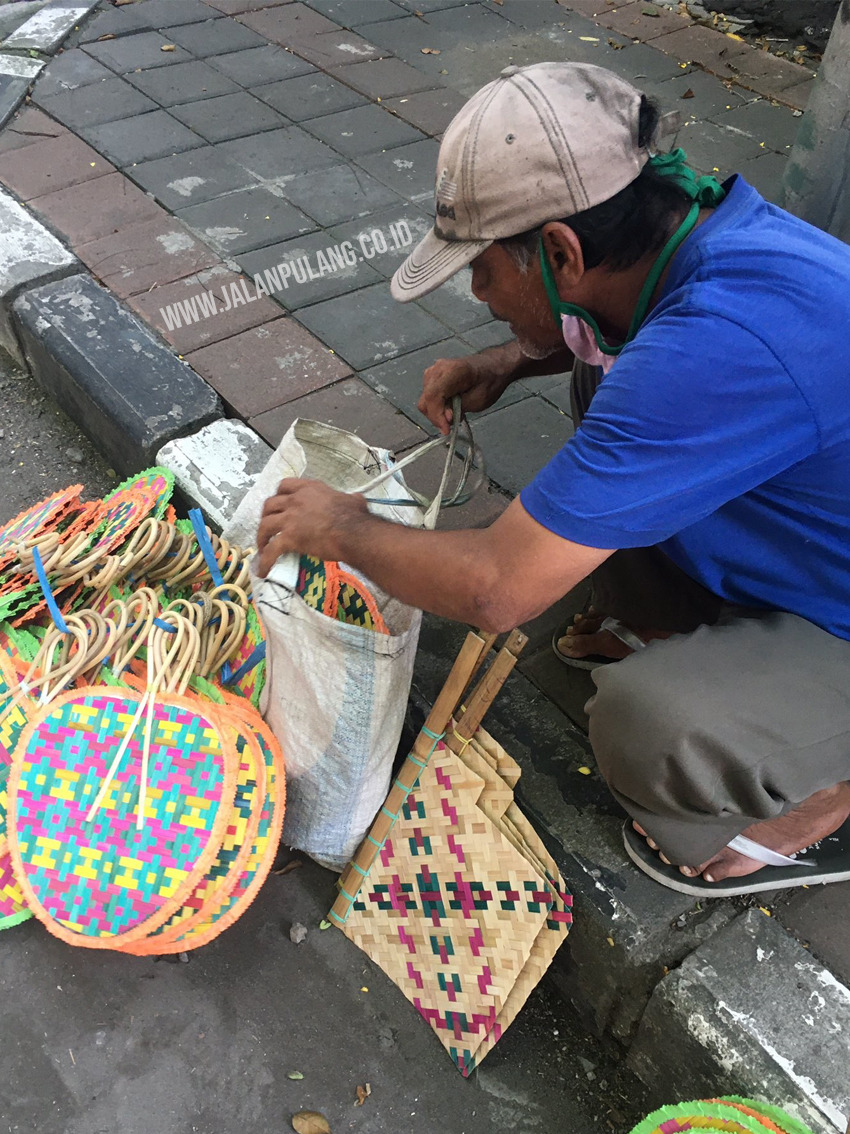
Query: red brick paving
[(51, 164), (148, 255), (268, 366), (632, 20), (289, 23), (87, 212), (27, 127), (210, 329)]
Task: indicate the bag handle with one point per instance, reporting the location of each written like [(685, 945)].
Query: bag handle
[(459, 496)]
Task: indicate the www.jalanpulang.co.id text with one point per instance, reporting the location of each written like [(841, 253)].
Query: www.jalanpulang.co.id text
[(297, 270)]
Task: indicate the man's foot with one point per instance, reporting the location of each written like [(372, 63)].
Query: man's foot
[(818, 816), (586, 638)]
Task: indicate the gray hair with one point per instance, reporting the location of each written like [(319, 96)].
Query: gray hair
[(522, 247)]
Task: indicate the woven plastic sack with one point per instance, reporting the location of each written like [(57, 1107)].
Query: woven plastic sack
[(335, 693)]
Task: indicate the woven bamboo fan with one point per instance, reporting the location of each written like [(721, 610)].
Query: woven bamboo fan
[(733, 1115), (453, 893)]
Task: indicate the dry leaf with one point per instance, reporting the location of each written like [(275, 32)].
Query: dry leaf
[(324, 924), (295, 1075), (310, 1122), (101, 38), (295, 862), (688, 94), (430, 50), (588, 39), (167, 47), (363, 1094), (617, 46)]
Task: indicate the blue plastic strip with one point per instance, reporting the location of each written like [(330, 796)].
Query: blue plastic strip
[(55, 613), (199, 528), (165, 625), (254, 658)]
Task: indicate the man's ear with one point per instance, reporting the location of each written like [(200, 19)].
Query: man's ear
[(566, 259)]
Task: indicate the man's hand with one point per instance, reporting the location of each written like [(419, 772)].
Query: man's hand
[(480, 379), (305, 517)]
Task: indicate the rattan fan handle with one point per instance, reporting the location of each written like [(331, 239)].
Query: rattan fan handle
[(465, 664), (490, 684)]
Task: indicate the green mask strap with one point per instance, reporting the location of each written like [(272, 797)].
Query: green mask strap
[(705, 192)]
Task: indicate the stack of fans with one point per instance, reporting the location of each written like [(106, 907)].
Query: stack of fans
[(141, 793), (734, 1115)]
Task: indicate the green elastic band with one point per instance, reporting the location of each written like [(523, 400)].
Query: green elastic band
[(404, 788), (419, 763), (707, 191), (374, 842), (346, 894), (389, 814), (359, 869), (336, 917), (433, 735)]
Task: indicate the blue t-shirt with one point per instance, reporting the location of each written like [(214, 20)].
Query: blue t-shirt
[(722, 432)]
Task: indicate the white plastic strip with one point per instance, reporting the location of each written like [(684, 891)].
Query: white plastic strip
[(760, 853)]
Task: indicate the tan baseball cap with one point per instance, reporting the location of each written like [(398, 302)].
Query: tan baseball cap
[(540, 143)]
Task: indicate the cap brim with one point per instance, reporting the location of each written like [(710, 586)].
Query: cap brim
[(431, 263)]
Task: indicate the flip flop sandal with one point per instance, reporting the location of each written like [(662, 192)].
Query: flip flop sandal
[(825, 861), (593, 661)]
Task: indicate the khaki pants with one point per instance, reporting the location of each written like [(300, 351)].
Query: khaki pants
[(736, 719)]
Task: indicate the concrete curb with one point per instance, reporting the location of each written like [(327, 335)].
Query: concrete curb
[(109, 372), (45, 29)]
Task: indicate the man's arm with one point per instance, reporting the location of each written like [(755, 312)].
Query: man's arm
[(494, 578)]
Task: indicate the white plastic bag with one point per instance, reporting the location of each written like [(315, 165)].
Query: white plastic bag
[(335, 694)]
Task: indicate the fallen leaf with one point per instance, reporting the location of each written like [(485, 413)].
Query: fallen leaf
[(688, 94), (295, 1075), (324, 924), (610, 941), (168, 47), (617, 46), (430, 50), (295, 862), (363, 1094), (310, 1122), (101, 38), (499, 2), (731, 35), (588, 39), (765, 911), (585, 771)]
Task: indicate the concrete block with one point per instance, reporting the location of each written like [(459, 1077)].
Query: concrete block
[(13, 15), (29, 255), (109, 372), (216, 466), (45, 29), (16, 74), (751, 1012)]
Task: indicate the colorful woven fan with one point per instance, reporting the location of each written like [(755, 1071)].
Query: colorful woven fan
[(13, 909), (732, 1114), (248, 666), (104, 882), (453, 894), (37, 519), (339, 594)]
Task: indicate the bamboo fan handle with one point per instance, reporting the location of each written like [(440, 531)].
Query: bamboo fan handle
[(490, 684)]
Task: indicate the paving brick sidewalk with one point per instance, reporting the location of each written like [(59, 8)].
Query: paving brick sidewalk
[(185, 146)]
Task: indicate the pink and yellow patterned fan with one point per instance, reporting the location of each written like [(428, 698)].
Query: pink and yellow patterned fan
[(38, 519), (105, 881), (13, 909)]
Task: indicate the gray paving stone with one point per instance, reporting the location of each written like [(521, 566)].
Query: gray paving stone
[(309, 96), (190, 178), (131, 52), (341, 193), (368, 326), (776, 126), (455, 305), (45, 29), (140, 139), (640, 63), (337, 49), (95, 103), (557, 392), (353, 15), (362, 130), (409, 170), (765, 173), (818, 916), (70, 70), (710, 95), (385, 78), (12, 91), (429, 5), (261, 65), (170, 13), (280, 155), (751, 1007), (289, 24), (240, 222), (294, 270), (115, 21), (430, 111), (406, 38), (215, 37), (708, 146), (472, 22), (390, 229), (230, 116), (400, 379), (29, 255), (532, 13), (488, 335), (186, 82), (125, 390), (520, 439)]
